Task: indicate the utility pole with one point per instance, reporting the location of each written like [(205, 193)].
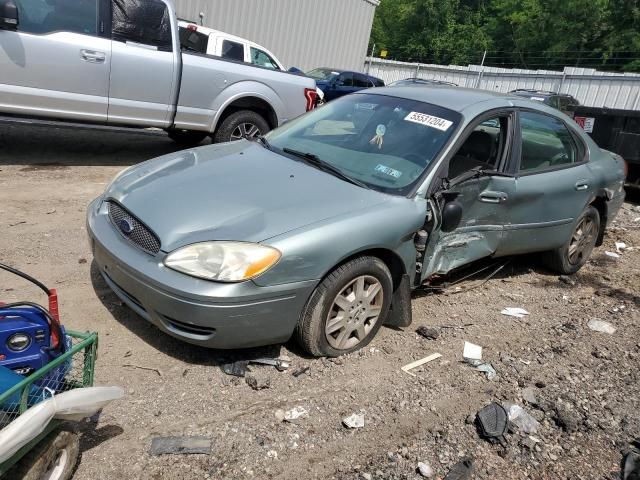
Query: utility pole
[(373, 49), (484, 56)]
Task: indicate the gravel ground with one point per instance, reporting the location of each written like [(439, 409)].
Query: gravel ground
[(581, 386)]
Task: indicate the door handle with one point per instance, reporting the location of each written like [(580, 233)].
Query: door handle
[(582, 185), (92, 56), (493, 197)]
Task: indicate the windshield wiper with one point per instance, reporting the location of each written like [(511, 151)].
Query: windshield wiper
[(324, 166), (263, 141)]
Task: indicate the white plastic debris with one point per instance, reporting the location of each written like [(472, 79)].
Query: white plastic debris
[(521, 419), (295, 414), (355, 420), (620, 246), (425, 469), (612, 254), (472, 351), (488, 369), (601, 326), (514, 312)]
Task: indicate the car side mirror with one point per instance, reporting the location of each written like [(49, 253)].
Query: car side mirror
[(8, 15), (451, 216)]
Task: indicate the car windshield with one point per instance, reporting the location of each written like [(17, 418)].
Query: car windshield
[(383, 142), (322, 74)]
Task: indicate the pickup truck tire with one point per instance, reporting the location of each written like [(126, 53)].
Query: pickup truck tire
[(570, 257), (239, 125), (186, 138)]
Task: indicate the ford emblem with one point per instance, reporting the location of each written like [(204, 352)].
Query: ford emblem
[(125, 226)]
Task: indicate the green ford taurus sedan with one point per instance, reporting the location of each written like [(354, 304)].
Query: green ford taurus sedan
[(322, 228)]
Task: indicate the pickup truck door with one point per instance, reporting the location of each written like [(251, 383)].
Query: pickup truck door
[(144, 64), (56, 62)]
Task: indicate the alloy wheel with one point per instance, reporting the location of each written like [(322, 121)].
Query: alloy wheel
[(245, 130), (354, 312), (582, 241), (57, 466)]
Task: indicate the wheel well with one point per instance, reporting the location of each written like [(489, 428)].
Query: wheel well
[(600, 204), (391, 260), (254, 104)]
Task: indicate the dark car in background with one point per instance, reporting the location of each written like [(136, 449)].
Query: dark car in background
[(410, 82), (560, 101), (336, 83)]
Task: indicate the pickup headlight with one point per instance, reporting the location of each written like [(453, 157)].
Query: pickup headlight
[(223, 261)]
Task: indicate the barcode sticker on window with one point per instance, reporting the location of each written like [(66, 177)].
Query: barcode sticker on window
[(429, 121)]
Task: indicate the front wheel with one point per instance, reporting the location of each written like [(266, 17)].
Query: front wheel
[(570, 257), (239, 125), (54, 458), (347, 309)]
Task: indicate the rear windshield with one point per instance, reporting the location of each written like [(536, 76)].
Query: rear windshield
[(193, 41), (323, 74), (384, 142)]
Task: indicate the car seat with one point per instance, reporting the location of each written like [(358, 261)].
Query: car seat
[(476, 151)]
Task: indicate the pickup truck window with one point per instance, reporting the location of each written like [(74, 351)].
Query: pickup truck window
[(193, 41), (232, 50), (142, 21), (46, 16), (258, 57)]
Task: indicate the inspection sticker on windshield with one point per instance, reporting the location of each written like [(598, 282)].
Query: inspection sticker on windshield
[(388, 171), (429, 121)]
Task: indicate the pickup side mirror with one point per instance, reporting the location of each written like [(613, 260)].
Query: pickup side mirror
[(8, 15)]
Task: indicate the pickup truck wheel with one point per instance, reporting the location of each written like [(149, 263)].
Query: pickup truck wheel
[(570, 257), (239, 125), (347, 309), (186, 138)]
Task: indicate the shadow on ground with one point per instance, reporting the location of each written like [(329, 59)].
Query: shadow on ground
[(40, 148)]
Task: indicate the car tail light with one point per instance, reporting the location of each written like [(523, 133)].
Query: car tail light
[(192, 27), (311, 95)]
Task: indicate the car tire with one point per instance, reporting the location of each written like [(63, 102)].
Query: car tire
[(239, 125), (187, 138), (571, 256), (55, 458), (359, 292)]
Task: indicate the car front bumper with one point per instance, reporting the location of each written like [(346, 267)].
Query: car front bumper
[(201, 312)]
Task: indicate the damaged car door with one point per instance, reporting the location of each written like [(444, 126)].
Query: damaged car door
[(470, 203)]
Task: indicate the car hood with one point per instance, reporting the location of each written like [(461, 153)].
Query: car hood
[(236, 191)]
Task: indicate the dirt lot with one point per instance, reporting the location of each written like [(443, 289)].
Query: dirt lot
[(586, 384)]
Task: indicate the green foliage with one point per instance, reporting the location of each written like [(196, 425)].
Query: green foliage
[(550, 34)]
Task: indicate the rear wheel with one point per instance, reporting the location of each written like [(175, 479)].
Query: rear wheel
[(570, 258), (187, 138), (239, 125), (347, 309), (54, 458)]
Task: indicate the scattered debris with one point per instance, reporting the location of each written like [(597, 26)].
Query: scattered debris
[(51, 211), (17, 223), (601, 326), (631, 465), (461, 470), (493, 421), (529, 396), (611, 254), (295, 414), (458, 327), (425, 470), (417, 363), (355, 420), (428, 333), (521, 419), (620, 246), (472, 351), (237, 369), (567, 279), (486, 368), (300, 371), (514, 312), (258, 381), (139, 367), (180, 446), (281, 364)]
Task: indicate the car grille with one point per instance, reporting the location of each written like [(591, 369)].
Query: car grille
[(138, 233)]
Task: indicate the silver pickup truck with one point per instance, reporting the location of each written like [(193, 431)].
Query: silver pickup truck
[(119, 63)]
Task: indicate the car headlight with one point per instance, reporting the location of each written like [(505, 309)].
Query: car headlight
[(223, 261), (18, 342)]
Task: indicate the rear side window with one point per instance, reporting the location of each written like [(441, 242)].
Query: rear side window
[(361, 81), (232, 50), (263, 59), (142, 21), (378, 83), (47, 16), (193, 41), (546, 143)]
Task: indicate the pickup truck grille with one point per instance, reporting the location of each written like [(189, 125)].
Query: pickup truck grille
[(133, 229)]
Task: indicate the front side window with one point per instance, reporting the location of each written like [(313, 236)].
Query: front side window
[(546, 143), (142, 21), (346, 79), (386, 143), (48, 16), (232, 50), (262, 59)]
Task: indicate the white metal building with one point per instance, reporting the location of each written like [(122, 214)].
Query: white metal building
[(301, 33)]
